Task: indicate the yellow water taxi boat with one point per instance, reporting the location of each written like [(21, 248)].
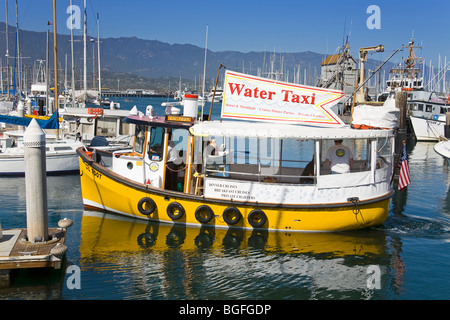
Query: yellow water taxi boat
[(266, 172)]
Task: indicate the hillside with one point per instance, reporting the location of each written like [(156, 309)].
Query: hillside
[(136, 63)]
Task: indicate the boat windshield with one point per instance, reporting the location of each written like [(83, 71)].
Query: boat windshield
[(139, 139)]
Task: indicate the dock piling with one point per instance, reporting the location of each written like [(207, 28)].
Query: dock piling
[(36, 183), (21, 113), (400, 103)]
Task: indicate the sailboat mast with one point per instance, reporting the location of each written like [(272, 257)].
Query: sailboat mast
[(85, 55), (98, 61), (18, 50), (71, 49), (55, 57), (7, 52), (47, 76)]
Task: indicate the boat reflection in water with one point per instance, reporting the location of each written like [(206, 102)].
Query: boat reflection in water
[(163, 261)]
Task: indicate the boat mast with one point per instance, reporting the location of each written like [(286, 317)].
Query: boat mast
[(98, 61), (85, 54), (204, 68), (7, 52), (18, 50), (47, 73), (55, 57), (71, 48)]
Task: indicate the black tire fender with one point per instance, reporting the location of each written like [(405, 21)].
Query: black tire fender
[(146, 206), (257, 218), (231, 215), (204, 214), (175, 211)]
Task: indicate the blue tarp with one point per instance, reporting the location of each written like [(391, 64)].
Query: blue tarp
[(52, 123)]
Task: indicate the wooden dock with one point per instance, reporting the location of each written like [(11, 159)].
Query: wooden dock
[(16, 253)]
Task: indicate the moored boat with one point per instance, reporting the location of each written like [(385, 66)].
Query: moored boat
[(268, 171), (61, 157), (443, 148)]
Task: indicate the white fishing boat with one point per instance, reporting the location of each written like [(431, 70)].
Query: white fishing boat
[(264, 168), (427, 115), (86, 123)]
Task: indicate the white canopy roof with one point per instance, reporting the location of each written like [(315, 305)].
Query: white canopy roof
[(281, 131)]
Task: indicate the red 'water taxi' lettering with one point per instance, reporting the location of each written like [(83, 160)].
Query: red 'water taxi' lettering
[(250, 93), (289, 96)]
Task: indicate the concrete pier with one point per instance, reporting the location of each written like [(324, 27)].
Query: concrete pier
[(36, 183)]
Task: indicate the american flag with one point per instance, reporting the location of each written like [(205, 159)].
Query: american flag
[(404, 178)]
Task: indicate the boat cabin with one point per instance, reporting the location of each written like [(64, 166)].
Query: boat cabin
[(251, 161)]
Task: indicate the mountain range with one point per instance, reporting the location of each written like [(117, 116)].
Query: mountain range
[(142, 62)]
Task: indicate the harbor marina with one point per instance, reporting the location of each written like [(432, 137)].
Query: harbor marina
[(247, 182)]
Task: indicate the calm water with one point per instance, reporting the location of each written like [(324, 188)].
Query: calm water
[(122, 258)]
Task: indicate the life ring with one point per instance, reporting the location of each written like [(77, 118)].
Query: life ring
[(146, 206), (232, 215), (204, 214), (257, 218), (175, 211)]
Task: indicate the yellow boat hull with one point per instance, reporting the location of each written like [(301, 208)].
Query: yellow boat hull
[(104, 190)]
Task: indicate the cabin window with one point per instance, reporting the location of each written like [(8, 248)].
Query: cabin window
[(420, 107), (360, 151), (106, 127), (384, 152), (258, 159), (62, 148), (156, 143), (139, 139), (429, 108)]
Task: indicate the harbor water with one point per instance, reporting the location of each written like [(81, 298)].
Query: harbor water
[(115, 258)]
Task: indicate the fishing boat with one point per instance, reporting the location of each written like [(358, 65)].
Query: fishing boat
[(426, 110), (262, 166), (85, 124), (427, 115)]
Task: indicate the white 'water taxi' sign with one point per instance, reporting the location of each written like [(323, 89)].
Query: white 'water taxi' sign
[(260, 99)]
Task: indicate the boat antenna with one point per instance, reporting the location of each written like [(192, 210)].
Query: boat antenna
[(214, 93), (343, 35)]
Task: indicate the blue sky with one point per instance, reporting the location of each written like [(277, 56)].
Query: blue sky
[(249, 25)]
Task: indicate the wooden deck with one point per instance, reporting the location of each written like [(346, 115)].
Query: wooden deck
[(18, 254)]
